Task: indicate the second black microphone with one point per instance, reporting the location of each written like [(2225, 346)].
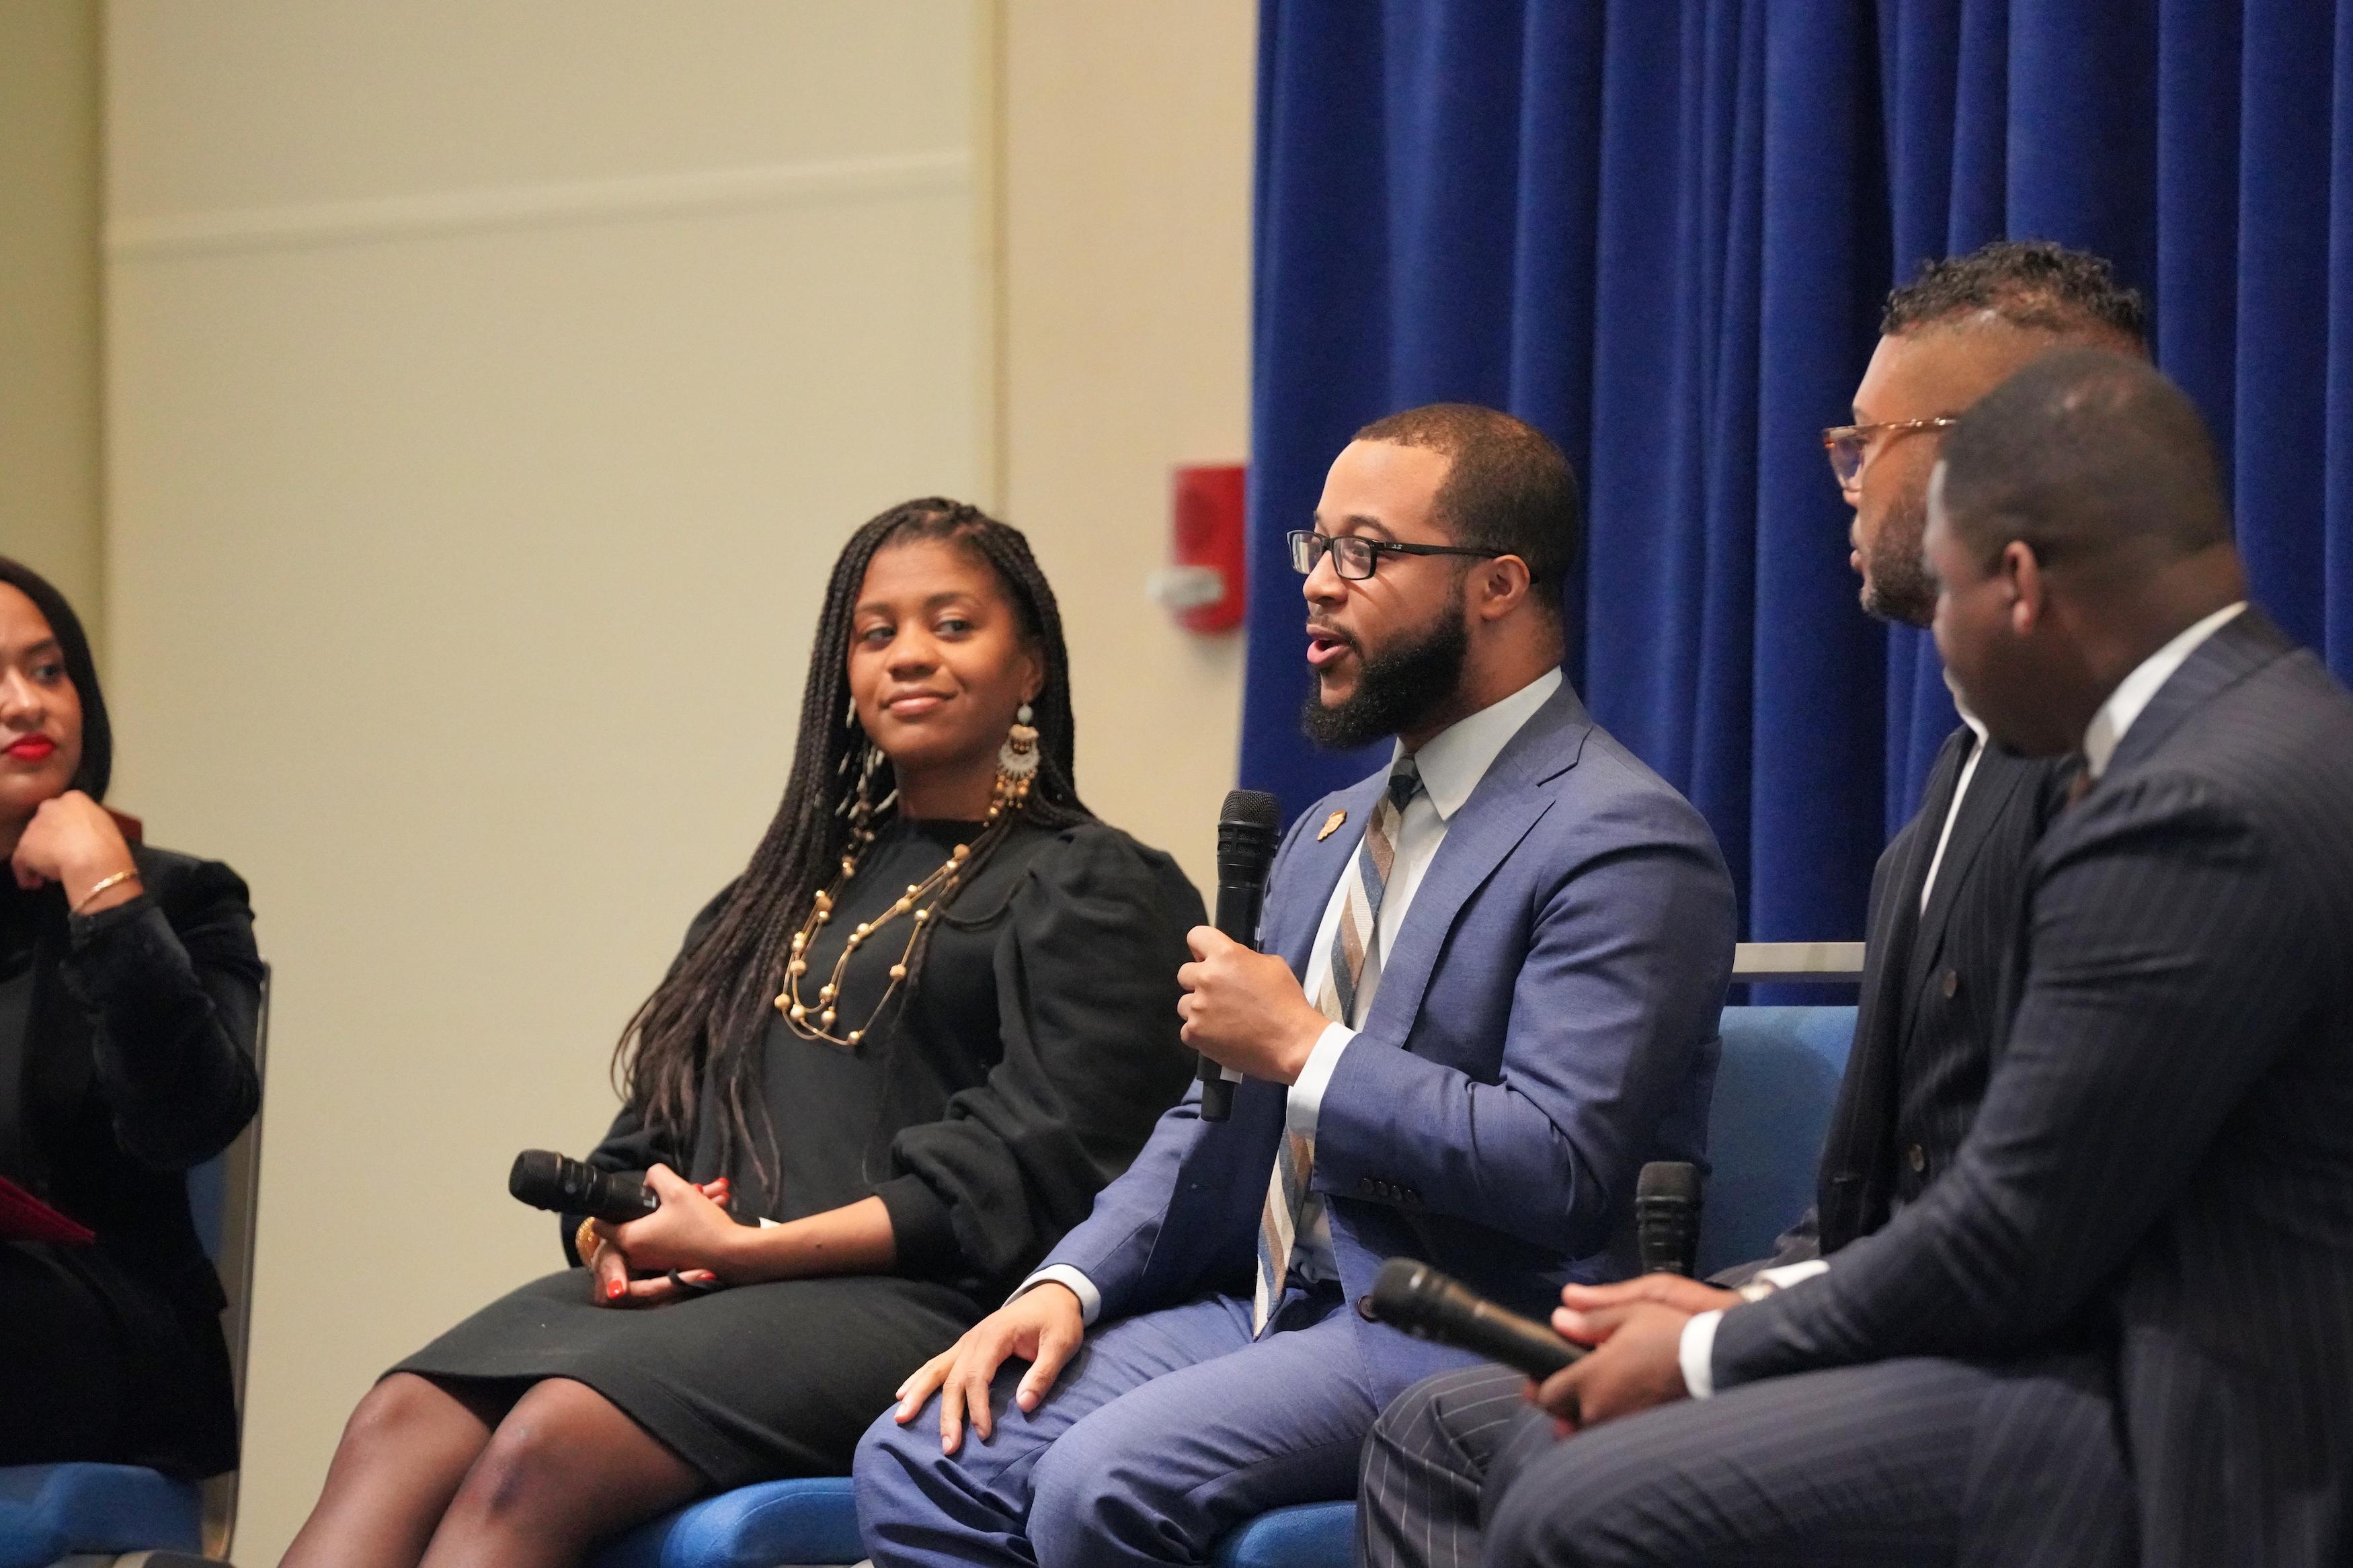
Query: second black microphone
[(1248, 827)]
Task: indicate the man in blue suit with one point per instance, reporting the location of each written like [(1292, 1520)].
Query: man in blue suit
[(1489, 994)]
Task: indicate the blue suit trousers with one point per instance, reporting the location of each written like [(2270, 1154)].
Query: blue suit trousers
[(1166, 1431)]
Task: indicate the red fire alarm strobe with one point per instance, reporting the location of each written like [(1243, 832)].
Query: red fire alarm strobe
[(1202, 584)]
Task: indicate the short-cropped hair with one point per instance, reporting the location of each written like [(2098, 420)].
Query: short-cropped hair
[(2086, 455), (1507, 488), (2031, 284)]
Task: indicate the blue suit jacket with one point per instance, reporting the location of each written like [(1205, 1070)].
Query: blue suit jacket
[(1545, 1023)]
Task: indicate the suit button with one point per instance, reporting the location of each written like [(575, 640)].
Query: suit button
[(1367, 1186), (1412, 1196), (1950, 983), (1917, 1157)]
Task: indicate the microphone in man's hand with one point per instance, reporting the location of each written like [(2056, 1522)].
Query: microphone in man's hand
[(1666, 1217), (547, 1180), (1248, 829), (1413, 1296)]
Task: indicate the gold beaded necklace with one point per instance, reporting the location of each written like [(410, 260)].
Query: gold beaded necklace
[(1018, 764)]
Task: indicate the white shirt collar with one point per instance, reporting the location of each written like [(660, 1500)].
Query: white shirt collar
[(1961, 706), (2134, 692), (1452, 762)]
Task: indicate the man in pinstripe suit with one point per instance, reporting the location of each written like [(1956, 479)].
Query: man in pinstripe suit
[(2120, 1327), (1944, 897)]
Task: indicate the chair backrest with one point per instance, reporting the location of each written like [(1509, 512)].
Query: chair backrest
[(1774, 1091), (224, 1196)]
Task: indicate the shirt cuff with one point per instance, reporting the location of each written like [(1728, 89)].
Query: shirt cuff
[(1696, 1350), (1305, 1105), (1789, 1274), (1078, 1284)]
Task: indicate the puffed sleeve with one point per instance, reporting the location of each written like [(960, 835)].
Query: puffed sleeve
[(1086, 1000), (173, 999), (629, 1144)]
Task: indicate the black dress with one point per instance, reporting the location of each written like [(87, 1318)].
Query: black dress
[(126, 1058), (985, 1108)]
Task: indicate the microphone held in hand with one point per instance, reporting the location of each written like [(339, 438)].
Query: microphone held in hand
[(1413, 1296), (1248, 827), (547, 1180), (1666, 1217)]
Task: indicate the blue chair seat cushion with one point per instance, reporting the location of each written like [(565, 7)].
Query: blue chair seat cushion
[(798, 1522), (1313, 1535), (48, 1511)]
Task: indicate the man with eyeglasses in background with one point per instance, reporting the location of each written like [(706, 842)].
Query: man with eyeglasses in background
[(1490, 992), (1943, 898)]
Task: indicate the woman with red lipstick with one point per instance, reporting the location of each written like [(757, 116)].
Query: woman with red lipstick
[(129, 989), (935, 1015)]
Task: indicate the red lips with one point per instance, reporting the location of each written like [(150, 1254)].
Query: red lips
[(31, 749)]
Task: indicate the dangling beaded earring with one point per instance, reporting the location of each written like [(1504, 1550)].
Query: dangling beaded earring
[(1017, 765)]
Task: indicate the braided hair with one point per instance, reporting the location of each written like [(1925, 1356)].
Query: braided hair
[(706, 1019)]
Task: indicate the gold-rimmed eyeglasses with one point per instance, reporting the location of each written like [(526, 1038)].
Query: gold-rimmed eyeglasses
[(1849, 443)]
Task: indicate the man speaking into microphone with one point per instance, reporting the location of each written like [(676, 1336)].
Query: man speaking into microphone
[(1488, 994)]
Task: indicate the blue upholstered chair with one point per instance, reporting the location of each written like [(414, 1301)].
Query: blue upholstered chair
[(51, 1512), (1773, 1097)]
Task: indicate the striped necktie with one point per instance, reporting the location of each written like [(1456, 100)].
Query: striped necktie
[(1352, 943)]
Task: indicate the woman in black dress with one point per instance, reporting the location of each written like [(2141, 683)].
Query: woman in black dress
[(129, 990), (932, 1018)]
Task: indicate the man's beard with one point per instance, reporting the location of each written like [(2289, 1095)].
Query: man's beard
[(1397, 687), (1898, 587)]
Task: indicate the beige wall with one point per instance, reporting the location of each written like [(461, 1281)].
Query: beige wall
[(488, 387), (1125, 329), (49, 294)]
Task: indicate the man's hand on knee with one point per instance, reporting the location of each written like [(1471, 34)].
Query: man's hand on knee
[(1042, 1326)]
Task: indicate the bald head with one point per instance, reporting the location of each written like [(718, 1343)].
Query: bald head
[(2090, 459), (2075, 526)]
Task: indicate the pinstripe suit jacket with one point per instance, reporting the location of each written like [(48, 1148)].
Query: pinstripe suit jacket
[(2162, 1168)]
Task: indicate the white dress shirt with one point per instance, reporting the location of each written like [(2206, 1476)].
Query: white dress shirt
[(1451, 763), (1696, 1350)]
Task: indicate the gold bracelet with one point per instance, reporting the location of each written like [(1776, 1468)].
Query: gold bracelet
[(586, 1241), (103, 884)]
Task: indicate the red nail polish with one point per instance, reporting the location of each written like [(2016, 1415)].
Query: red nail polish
[(614, 1290)]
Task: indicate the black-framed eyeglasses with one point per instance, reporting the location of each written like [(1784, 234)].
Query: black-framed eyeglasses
[(1849, 443), (1354, 557)]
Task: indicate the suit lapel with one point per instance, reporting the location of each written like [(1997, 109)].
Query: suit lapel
[(1508, 801), (1296, 903), (2242, 646), (2001, 774)]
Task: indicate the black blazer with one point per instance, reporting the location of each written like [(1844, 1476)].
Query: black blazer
[(2162, 1168), (138, 1066), (1928, 1010)]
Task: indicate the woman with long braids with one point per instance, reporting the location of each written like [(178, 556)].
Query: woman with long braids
[(935, 1015)]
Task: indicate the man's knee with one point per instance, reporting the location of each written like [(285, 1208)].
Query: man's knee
[(1086, 1497)]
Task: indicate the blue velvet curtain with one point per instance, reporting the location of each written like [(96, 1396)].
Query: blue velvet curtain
[(1663, 233)]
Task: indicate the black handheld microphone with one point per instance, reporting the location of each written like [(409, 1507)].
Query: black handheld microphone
[(1416, 1297), (547, 1180), (1666, 1217), (1247, 828)]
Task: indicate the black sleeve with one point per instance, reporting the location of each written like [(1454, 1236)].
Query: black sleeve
[(2167, 973), (1086, 1002), (173, 1003), (629, 1144)]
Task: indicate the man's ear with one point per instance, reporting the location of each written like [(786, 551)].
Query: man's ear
[(1502, 583), (2028, 589)]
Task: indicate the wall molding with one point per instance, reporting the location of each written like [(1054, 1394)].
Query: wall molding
[(380, 219)]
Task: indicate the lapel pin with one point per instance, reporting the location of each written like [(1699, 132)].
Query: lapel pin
[(1331, 825)]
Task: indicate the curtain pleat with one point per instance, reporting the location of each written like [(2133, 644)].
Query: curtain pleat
[(1663, 233)]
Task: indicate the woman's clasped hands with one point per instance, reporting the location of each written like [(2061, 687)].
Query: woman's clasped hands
[(680, 1249)]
